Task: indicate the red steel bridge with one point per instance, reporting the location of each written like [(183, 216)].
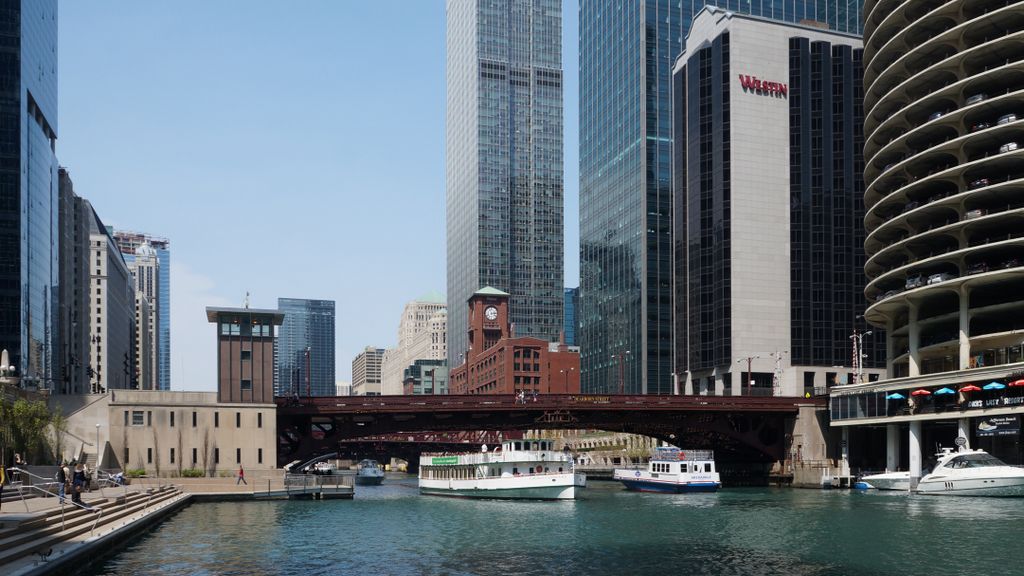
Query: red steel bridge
[(744, 428)]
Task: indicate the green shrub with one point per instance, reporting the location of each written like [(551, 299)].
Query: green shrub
[(192, 473), (135, 472)]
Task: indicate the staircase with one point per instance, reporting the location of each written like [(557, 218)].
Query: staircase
[(48, 535)]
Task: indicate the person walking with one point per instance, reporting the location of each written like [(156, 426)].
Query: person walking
[(241, 476), (78, 483), (3, 479), (62, 480)]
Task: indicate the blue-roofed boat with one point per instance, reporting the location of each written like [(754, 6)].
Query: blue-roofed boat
[(673, 471)]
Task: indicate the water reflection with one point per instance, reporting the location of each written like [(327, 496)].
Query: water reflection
[(392, 530)]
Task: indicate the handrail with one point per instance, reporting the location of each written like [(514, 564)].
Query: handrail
[(98, 511)]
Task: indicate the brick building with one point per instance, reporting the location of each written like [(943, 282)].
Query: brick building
[(497, 362)]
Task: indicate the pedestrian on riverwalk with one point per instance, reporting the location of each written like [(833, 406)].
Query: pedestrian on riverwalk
[(3, 479), (62, 480), (78, 483), (241, 477)]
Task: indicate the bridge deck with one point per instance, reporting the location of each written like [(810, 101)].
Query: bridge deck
[(326, 405)]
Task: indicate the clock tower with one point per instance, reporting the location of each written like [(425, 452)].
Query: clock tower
[(488, 320)]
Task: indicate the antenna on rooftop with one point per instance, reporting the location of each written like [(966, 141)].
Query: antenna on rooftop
[(245, 303)]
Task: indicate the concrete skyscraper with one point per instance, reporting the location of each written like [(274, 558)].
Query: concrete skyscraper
[(768, 263), (304, 352), (29, 307), (504, 162), (626, 58)]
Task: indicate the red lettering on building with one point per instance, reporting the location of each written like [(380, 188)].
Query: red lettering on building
[(755, 84)]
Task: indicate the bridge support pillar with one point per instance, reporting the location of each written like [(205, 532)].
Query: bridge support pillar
[(892, 447), (915, 453)]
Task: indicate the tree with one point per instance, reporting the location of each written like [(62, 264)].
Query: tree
[(181, 451), (206, 451)]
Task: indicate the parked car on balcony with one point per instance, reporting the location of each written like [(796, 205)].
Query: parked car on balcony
[(941, 277), (1011, 263), (890, 294), (976, 213), (915, 281), (978, 268), (980, 126), (937, 197), (910, 206), (979, 183), (1008, 147), (1006, 119), (975, 98), (936, 115)]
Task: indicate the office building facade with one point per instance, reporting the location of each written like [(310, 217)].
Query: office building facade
[(366, 372), (74, 276), (504, 162), (426, 377), (571, 305), (767, 277), (130, 243), (29, 236), (304, 363), (112, 313), (422, 335), (943, 107), (626, 56), (144, 266), (501, 363)]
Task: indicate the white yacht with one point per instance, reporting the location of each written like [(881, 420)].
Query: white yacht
[(519, 469), (889, 481), (675, 471), (972, 473), (369, 473)]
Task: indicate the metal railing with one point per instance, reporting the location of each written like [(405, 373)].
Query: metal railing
[(38, 487)]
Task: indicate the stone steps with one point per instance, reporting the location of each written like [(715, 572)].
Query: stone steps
[(44, 537)]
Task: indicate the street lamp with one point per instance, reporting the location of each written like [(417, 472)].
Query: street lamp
[(621, 379), (565, 386), (749, 360)]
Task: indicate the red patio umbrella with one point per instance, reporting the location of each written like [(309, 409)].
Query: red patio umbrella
[(1017, 383), (920, 392), (973, 388)]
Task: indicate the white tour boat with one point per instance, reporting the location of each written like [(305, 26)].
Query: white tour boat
[(369, 473), (525, 469), (674, 471), (972, 473), (889, 481)]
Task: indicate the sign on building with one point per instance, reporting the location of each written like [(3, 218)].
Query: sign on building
[(999, 426)]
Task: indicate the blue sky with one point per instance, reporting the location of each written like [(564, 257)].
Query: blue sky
[(286, 149)]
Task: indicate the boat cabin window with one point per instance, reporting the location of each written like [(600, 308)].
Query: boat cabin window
[(974, 461), (519, 446), (707, 466), (515, 470)]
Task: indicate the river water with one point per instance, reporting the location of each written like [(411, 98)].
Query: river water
[(391, 529)]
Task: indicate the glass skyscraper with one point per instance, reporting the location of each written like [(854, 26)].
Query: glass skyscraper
[(29, 184), (504, 162), (572, 303), (626, 56), (128, 243), (308, 324)]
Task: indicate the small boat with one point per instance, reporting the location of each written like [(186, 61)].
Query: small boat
[(325, 468), (972, 473), (674, 471), (369, 473), (889, 481), (519, 469)]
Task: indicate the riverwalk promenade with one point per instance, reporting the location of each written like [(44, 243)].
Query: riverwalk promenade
[(39, 536)]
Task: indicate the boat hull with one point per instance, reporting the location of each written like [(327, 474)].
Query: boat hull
[(999, 487), (369, 480), (891, 481), (538, 487), (669, 487)]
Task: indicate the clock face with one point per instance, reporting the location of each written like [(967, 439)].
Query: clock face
[(491, 313)]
